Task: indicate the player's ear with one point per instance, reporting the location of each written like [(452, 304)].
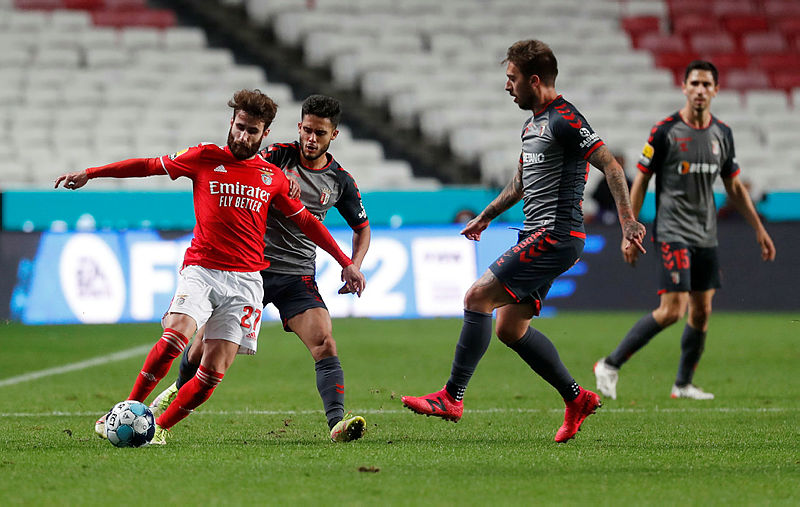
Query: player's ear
[(299, 126), (334, 134), (266, 132)]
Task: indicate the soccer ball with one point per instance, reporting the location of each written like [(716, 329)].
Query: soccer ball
[(130, 423)]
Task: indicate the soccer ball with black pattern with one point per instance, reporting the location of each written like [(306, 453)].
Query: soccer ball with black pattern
[(130, 423)]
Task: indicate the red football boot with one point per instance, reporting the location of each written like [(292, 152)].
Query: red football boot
[(577, 410), (439, 404)]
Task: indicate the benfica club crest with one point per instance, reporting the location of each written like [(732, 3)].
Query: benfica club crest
[(266, 176), (324, 196)]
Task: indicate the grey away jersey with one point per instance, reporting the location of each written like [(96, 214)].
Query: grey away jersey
[(287, 248), (686, 161), (556, 142)]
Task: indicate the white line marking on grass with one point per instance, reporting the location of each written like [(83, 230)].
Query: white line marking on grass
[(116, 356), (403, 411)]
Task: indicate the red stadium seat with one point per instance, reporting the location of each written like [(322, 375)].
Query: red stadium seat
[(734, 7), (688, 24), (157, 18), (712, 42), (738, 25), (774, 62), (779, 9), (745, 79), (662, 43), (687, 7), (786, 79), (789, 27), (85, 5), (638, 25), (675, 62), (727, 61), (763, 42)]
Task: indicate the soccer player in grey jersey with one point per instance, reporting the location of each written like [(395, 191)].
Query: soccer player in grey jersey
[(686, 152), (557, 146), (290, 283)]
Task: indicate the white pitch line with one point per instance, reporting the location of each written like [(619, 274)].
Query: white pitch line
[(403, 411), (116, 356)]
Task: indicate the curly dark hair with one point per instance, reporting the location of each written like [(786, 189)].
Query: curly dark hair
[(324, 107), (256, 104), (534, 57)]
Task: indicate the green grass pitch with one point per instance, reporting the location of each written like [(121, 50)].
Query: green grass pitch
[(262, 438)]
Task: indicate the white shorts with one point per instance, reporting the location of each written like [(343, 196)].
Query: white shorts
[(228, 303)]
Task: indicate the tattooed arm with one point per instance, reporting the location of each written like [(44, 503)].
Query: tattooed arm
[(632, 231), (509, 196)]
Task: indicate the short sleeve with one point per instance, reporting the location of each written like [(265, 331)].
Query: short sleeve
[(350, 205), (654, 151), (572, 130)]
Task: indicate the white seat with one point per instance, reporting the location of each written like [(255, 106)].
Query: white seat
[(26, 21), (56, 58), (11, 57), (98, 38), (137, 38), (766, 102), (184, 37), (101, 57), (71, 21)]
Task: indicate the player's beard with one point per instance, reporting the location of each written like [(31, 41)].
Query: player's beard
[(319, 152), (240, 150)]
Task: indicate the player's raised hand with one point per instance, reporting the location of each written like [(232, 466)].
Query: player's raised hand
[(73, 181), (354, 281), (474, 228)]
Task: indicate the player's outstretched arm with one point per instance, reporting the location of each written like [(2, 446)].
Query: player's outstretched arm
[(508, 197), (130, 168), (740, 198), (632, 231)]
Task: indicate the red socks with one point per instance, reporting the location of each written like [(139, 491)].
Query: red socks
[(190, 396), (157, 364)]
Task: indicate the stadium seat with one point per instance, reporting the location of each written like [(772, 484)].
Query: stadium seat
[(763, 42), (745, 79), (787, 80), (660, 43), (712, 42)]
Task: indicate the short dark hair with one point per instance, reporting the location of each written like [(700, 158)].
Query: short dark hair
[(534, 57), (702, 65), (256, 104), (322, 106)]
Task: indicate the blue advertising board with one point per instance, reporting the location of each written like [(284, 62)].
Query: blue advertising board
[(130, 276)]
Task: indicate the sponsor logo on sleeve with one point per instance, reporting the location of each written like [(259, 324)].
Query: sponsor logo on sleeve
[(178, 154)]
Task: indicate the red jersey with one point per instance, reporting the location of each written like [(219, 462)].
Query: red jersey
[(231, 199)]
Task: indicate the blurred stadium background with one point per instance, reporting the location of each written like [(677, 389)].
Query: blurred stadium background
[(428, 130)]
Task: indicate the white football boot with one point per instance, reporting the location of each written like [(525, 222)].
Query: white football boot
[(607, 377), (100, 427), (691, 392)]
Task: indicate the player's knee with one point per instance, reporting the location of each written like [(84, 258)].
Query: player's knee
[(698, 317), (324, 347), (507, 335)]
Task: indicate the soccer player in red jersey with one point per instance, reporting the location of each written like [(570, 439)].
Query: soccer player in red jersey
[(557, 146), (220, 285), (290, 281)]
